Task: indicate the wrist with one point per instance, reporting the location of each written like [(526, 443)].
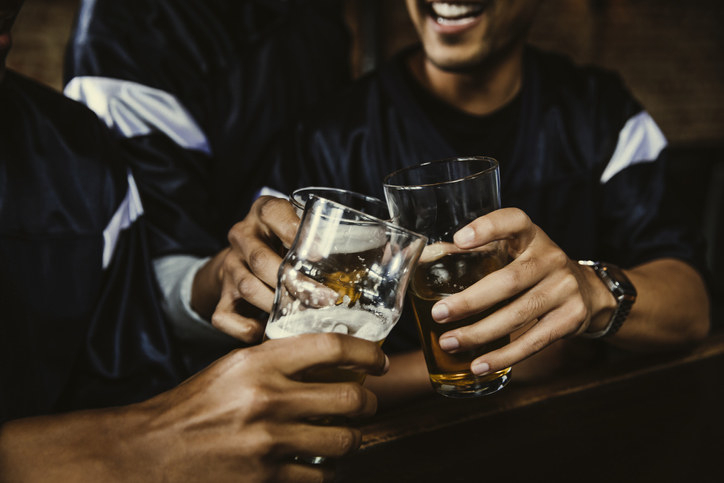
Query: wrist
[(621, 289), (206, 286), (603, 303)]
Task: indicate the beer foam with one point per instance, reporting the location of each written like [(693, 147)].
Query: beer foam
[(372, 326), (357, 238)]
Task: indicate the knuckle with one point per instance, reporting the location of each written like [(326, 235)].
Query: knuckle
[(557, 258), (218, 320), (236, 233), (578, 311), (542, 341), (528, 264), (266, 206), (264, 441), (513, 279), (260, 401), (233, 233), (569, 284), (533, 307), (332, 345), (519, 217), (462, 304), (490, 224), (257, 258), (246, 286), (242, 357), (352, 398), (348, 440)]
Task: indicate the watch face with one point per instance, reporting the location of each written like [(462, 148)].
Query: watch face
[(620, 281)]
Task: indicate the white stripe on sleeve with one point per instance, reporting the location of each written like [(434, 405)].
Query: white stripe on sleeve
[(639, 141), (131, 109), (128, 211)]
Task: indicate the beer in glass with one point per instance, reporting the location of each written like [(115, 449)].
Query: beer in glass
[(346, 272), (436, 199)]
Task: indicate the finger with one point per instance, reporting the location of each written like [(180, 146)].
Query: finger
[(552, 327), (436, 251), (293, 355), (504, 224), (320, 400), (310, 439), (257, 255), (496, 287), (506, 319), (298, 472), (541, 259), (227, 319), (242, 284), (280, 218)]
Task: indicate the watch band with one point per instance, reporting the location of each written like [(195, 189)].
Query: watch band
[(622, 290)]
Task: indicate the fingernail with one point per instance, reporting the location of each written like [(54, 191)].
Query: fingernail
[(480, 368), (440, 311), (464, 236), (449, 343), (387, 365)]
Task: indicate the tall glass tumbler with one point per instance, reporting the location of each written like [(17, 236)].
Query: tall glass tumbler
[(436, 199), (346, 272)]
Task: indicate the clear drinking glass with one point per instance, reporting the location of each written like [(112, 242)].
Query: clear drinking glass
[(346, 272), (436, 199), (357, 201)]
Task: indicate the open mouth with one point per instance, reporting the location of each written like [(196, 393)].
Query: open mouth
[(455, 13)]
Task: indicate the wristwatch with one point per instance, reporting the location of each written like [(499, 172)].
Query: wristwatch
[(622, 290)]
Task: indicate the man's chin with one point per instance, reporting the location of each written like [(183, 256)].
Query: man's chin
[(455, 65)]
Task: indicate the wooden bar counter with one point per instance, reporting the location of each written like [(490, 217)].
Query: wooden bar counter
[(648, 418)]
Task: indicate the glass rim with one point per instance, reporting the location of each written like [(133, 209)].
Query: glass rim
[(354, 194), (374, 219), (493, 166)]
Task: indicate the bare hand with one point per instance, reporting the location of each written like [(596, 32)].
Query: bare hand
[(244, 418), (551, 296), (245, 273), (248, 415)]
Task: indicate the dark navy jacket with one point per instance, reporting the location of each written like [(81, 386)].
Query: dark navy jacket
[(587, 162), (198, 90), (79, 320)]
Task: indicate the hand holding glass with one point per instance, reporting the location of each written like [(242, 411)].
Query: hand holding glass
[(346, 272), (437, 199)]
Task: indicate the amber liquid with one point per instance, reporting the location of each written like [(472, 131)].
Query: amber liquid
[(450, 373), (345, 273)]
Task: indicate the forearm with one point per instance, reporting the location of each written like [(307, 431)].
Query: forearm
[(406, 379), (671, 308), (83, 446)]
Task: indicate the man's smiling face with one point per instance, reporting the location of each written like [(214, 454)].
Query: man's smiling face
[(459, 36)]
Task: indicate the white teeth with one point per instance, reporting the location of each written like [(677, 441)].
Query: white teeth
[(445, 10), (454, 21)]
